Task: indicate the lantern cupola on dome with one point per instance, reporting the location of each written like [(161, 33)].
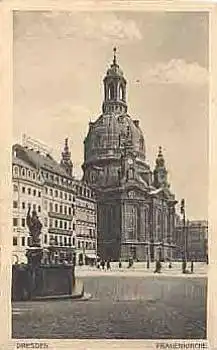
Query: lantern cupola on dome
[(114, 89)]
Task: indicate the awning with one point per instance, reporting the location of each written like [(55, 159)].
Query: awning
[(91, 256)]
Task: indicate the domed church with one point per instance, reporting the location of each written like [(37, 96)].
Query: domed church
[(136, 209)]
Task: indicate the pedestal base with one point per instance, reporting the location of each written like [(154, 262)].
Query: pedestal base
[(34, 256), (42, 281)]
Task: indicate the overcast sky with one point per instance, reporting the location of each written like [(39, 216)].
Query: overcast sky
[(60, 60)]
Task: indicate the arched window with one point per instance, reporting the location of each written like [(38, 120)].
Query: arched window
[(141, 143), (111, 91), (23, 172), (16, 170), (121, 92)]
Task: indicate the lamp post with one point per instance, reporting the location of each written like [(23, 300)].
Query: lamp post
[(182, 211), (185, 235)]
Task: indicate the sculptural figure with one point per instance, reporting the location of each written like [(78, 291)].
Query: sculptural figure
[(35, 227)]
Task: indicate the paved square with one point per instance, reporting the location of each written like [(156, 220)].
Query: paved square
[(121, 307)]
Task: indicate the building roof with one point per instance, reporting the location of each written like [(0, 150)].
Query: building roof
[(20, 162), (37, 160)]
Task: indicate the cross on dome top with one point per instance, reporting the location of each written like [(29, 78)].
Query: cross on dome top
[(115, 58)]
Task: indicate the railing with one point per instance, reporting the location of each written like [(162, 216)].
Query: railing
[(62, 216)]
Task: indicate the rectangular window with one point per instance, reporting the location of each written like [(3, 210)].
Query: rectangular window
[(46, 190), (29, 190), (65, 225), (34, 192), (65, 196), (73, 227), (23, 205), (79, 244), (70, 197), (56, 208), (73, 241), (15, 204), (86, 245), (45, 239), (56, 223), (51, 192), (69, 241), (39, 193), (15, 221), (14, 240), (39, 208), (61, 224), (23, 189), (23, 222), (56, 193), (65, 242), (65, 210), (23, 241), (61, 209), (29, 241), (70, 211), (61, 194)]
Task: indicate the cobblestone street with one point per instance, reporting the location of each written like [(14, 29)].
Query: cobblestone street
[(124, 306)]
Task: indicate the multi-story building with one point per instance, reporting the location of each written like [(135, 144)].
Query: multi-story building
[(47, 187), (192, 240), (135, 205), (86, 230), (27, 191)]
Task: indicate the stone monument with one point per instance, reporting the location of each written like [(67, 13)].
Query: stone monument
[(34, 253), (36, 280)]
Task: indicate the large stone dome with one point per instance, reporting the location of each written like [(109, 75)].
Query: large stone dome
[(114, 147), (110, 134)]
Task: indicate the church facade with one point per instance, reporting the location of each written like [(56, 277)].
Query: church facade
[(135, 207)]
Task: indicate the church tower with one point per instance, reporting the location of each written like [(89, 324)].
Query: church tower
[(132, 213), (66, 159), (160, 171), (114, 89)]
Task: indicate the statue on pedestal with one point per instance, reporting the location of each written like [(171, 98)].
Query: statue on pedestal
[(35, 227), (34, 253)]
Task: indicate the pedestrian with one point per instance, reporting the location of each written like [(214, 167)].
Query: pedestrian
[(192, 266), (130, 263), (148, 264), (103, 264), (120, 264), (108, 265), (157, 266), (184, 265)]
